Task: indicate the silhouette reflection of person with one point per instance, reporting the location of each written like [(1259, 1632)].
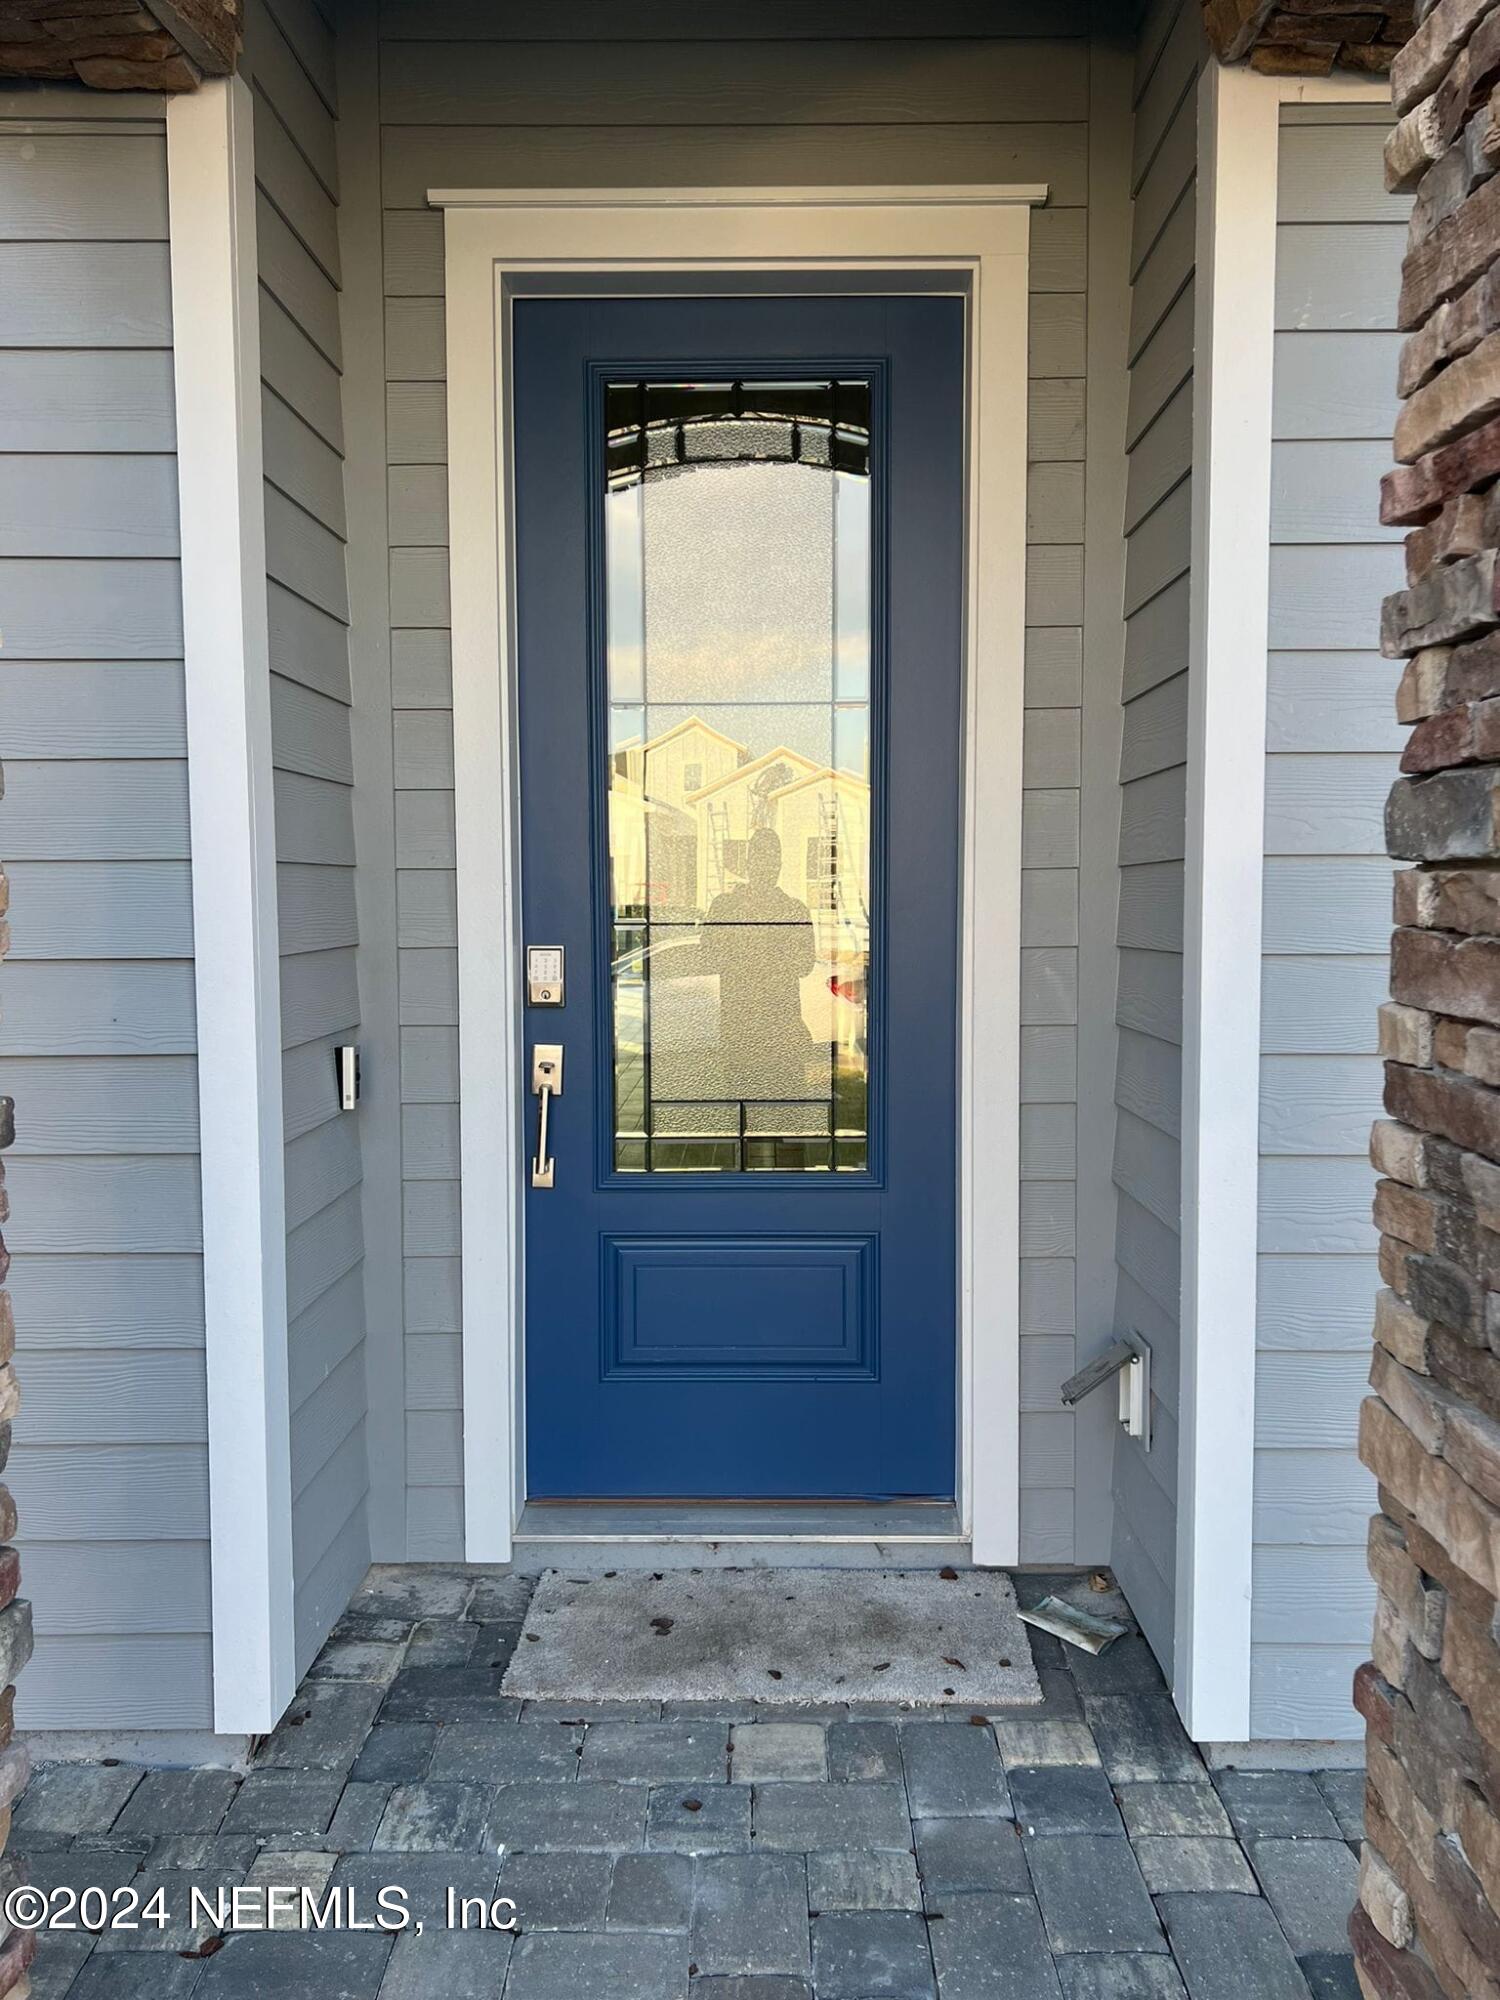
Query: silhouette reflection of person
[(759, 940)]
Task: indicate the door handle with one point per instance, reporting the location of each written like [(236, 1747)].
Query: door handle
[(546, 1083)]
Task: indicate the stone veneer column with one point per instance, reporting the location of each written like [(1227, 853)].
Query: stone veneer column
[(16, 1947), (1428, 1920)]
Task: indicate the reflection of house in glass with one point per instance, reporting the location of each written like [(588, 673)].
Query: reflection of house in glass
[(737, 544), (705, 937)]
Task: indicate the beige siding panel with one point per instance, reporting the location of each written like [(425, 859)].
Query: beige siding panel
[(1333, 701), (1326, 805), (1054, 420), (109, 1302), (98, 1009), (68, 609), (1164, 364), (1152, 817), (1338, 275), (669, 20), (1172, 76), (416, 418), (55, 400), (103, 1104), (94, 1589), (312, 42), (292, 276), (316, 907), (110, 1206), (1332, 745), (1171, 170), (1049, 987), (1166, 273), (421, 669), (1049, 829), (85, 295), (303, 378), (272, 63), (1322, 1304), (314, 820), (140, 1680), (1329, 598), (1335, 173), (1150, 994), (116, 1399), (1321, 1006), (307, 644), (80, 709), (1336, 385), (1146, 1165), (304, 467), (1328, 490), (611, 83), (1303, 1691), (1313, 904), (290, 184), (87, 186), (415, 334), (309, 732), (1057, 334), (1161, 458), (414, 254), (97, 811), (419, 157), (84, 505)]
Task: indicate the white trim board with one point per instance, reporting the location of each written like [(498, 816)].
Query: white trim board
[(499, 243), (216, 360), (1239, 136)]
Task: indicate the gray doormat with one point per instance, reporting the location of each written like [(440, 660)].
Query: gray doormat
[(818, 1635)]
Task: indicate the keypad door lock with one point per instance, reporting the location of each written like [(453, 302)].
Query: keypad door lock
[(544, 975)]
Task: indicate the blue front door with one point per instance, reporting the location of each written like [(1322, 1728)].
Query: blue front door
[(739, 571)]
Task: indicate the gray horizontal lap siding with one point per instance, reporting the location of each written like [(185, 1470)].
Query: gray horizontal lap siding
[(1153, 785), (1148, 1011), (1332, 745), (97, 1045), (289, 60), (491, 97)]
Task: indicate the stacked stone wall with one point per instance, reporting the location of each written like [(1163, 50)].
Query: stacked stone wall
[(1308, 37), (1428, 1920)]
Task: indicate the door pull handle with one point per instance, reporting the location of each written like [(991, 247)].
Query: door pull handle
[(546, 1083)]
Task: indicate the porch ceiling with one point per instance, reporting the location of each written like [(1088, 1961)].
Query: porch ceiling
[(116, 45), (173, 44)]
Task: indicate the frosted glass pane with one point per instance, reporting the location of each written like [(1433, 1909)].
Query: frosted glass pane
[(738, 562), (737, 571)]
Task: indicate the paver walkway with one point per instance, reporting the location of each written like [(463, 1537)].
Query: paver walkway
[(1076, 1851)]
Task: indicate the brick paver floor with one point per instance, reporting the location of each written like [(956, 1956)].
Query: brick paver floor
[(1074, 1851)]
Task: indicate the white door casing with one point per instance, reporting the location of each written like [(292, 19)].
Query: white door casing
[(501, 245)]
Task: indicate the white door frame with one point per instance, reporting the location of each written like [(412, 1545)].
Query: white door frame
[(499, 244)]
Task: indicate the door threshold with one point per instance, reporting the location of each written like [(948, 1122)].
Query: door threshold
[(706, 1535)]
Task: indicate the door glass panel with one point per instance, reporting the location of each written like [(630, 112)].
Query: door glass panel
[(737, 577)]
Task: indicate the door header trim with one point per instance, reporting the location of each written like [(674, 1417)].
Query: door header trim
[(495, 241), (1026, 194)]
